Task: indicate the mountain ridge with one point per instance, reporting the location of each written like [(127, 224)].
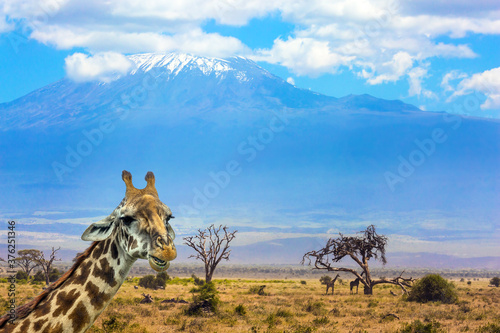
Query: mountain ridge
[(172, 81)]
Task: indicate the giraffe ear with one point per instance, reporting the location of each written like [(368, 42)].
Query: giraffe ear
[(99, 231)]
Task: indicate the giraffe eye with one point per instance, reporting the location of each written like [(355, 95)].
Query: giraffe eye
[(127, 220), (170, 231)]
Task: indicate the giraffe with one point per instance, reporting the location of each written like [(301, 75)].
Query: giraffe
[(137, 229), (331, 284), (353, 284)]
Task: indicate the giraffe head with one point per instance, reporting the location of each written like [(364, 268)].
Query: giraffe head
[(140, 225)]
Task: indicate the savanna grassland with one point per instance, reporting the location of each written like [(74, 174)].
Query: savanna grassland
[(291, 306)]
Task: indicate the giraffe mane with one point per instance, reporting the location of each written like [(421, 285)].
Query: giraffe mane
[(25, 309)]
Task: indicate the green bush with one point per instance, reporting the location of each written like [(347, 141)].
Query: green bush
[(205, 299), (325, 279), (54, 275), (113, 325), (39, 277), (259, 290), (152, 282), (495, 281), (197, 280), (489, 328), (433, 288), (418, 327), (240, 309), (21, 275)]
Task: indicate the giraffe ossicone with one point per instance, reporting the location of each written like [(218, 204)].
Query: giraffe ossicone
[(138, 228)]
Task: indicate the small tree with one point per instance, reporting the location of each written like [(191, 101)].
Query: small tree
[(433, 288), (39, 276), (212, 253), (205, 299), (325, 279), (360, 249), (26, 260), (21, 275), (45, 264), (495, 281)]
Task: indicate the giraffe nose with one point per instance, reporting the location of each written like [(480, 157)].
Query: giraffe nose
[(162, 241)]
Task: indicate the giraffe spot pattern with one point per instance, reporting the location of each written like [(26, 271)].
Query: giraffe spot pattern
[(114, 250), (97, 297), (83, 274), (134, 244), (56, 328), (37, 325), (64, 301), (106, 272), (25, 326), (80, 317)]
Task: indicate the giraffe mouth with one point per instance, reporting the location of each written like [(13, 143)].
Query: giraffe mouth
[(157, 264)]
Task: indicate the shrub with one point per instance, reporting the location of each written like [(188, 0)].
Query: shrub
[(303, 282), (325, 279), (240, 309), (321, 321), (22, 275), (147, 281), (113, 325), (489, 328), (205, 299), (418, 327), (316, 308), (39, 277), (283, 313), (197, 280), (259, 290), (495, 281), (152, 282), (469, 283), (433, 288), (54, 275)]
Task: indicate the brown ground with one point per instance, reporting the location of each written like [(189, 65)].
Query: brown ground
[(290, 306)]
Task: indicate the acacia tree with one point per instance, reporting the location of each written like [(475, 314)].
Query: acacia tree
[(212, 253), (45, 264), (360, 249), (26, 260)]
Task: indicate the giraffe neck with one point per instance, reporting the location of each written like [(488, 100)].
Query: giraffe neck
[(76, 302)]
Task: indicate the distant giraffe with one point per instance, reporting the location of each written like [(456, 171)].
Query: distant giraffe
[(331, 284), (355, 283), (137, 229)]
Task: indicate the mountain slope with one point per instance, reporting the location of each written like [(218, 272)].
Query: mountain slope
[(173, 82), (305, 163)]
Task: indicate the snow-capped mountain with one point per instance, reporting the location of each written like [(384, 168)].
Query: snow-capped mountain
[(181, 83), (238, 145)]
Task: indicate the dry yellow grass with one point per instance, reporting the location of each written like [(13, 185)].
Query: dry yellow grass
[(290, 306)]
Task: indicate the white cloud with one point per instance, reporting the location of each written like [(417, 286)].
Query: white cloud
[(45, 213), (451, 76), (104, 67), (382, 41), (304, 56), (461, 248), (392, 70), (487, 82), (290, 80)]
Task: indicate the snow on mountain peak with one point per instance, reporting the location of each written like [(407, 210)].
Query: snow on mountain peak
[(174, 63)]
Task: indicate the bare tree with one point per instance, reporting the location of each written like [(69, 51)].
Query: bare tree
[(26, 259), (47, 264), (212, 253), (360, 249)]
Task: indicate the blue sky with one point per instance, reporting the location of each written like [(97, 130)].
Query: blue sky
[(427, 53), (431, 53)]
